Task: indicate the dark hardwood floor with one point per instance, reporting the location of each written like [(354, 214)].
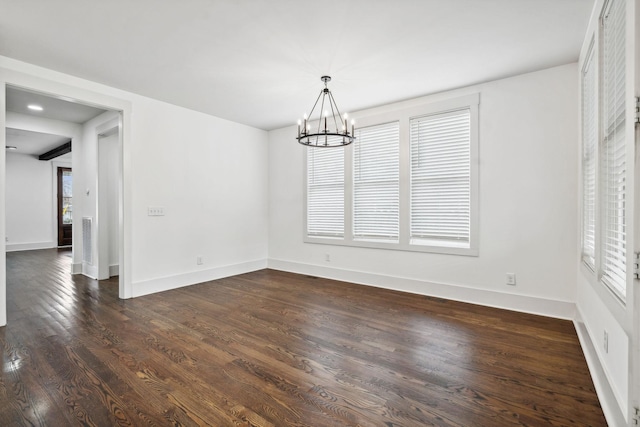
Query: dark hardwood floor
[(277, 349)]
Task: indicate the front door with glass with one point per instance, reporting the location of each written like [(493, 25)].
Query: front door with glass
[(65, 207)]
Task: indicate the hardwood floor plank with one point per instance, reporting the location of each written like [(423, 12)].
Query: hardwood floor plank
[(31, 377), (271, 348)]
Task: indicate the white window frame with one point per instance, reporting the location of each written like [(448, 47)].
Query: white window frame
[(592, 62), (613, 272), (403, 116)]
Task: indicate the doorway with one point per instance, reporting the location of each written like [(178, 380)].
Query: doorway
[(75, 180), (74, 95), (108, 244), (65, 207)]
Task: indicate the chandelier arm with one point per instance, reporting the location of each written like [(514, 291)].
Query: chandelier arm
[(321, 110), (314, 105), (333, 112)]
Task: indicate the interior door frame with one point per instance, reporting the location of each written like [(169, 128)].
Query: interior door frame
[(633, 37), (25, 76), (104, 130)]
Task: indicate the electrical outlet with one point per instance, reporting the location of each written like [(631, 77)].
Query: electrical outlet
[(605, 342), (199, 260), (511, 279), (327, 257)]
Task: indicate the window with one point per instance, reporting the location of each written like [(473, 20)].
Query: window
[(441, 179), (408, 182), (325, 192), (376, 182), (589, 145), (613, 149)]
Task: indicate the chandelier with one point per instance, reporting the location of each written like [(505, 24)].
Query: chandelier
[(332, 128)]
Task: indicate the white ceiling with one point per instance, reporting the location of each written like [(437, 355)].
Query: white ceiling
[(259, 62), (33, 143), (36, 143), (53, 108)]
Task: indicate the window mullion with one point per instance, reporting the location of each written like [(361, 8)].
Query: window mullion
[(405, 179), (348, 192)]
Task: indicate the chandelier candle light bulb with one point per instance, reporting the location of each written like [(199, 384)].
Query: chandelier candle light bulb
[(326, 137)]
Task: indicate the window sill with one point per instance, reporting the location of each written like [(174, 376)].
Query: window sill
[(395, 246)]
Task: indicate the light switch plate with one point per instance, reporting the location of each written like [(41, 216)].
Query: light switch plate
[(155, 211)]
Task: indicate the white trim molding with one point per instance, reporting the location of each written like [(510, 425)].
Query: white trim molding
[(608, 401), (14, 247), (76, 268), (90, 270), (522, 303), (162, 284), (114, 270)]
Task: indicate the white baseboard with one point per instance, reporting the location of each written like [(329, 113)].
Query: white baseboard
[(89, 270), (92, 271), (14, 247), (606, 395), (114, 270), (76, 268), (521, 303), (162, 284)]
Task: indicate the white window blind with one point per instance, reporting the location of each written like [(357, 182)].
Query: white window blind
[(440, 185), (325, 191), (613, 149), (376, 182), (589, 145)]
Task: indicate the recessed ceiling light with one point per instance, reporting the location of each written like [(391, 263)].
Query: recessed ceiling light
[(34, 107), (10, 147)]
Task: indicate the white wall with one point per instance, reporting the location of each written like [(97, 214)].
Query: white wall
[(209, 174), (528, 205), (31, 187), (29, 198), (598, 310)]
